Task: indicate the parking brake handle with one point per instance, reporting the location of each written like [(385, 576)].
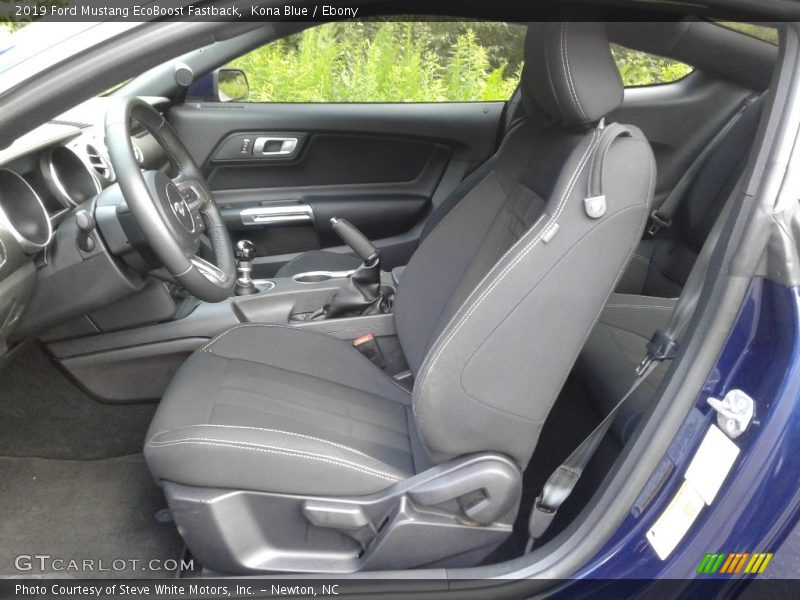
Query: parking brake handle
[(361, 293), (357, 241)]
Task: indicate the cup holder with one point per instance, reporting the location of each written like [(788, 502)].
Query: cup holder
[(318, 276)]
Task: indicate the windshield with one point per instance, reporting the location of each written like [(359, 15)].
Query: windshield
[(37, 46), (24, 42)]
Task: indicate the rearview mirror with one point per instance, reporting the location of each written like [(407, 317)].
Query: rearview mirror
[(223, 85)]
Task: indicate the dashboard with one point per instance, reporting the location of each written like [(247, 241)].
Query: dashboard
[(49, 182)]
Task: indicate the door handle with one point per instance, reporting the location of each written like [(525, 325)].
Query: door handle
[(275, 146), (269, 215)]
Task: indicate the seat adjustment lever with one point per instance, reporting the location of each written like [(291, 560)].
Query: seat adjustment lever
[(486, 492), (347, 518)]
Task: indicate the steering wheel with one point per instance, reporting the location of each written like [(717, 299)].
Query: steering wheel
[(177, 216)]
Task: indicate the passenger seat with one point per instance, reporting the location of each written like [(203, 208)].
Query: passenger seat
[(647, 293)]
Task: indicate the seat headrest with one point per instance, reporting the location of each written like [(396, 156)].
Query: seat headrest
[(569, 72)]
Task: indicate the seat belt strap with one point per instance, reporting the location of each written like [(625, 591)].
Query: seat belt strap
[(662, 346), (563, 480), (661, 217), (595, 202)]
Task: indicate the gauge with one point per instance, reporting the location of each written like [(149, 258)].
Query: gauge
[(68, 177), (23, 214)]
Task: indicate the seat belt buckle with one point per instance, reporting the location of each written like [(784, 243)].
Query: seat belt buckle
[(368, 346), (657, 223)]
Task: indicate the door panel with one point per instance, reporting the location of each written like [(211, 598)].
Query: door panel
[(378, 165), (469, 127)]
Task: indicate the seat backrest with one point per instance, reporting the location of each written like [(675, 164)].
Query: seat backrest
[(498, 300)]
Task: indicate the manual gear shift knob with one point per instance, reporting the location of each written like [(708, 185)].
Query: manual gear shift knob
[(245, 253), (245, 250)]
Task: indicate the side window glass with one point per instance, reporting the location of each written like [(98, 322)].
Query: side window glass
[(381, 61)]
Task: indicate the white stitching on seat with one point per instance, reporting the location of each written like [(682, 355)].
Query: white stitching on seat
[(591, 168), (279, 451), (309, 437), (568, 70), (224, 333), (498, 278)]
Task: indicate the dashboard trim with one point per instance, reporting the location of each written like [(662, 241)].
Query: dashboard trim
[(37, 140)]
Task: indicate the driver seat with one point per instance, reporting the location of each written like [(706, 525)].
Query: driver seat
[(283, 449)]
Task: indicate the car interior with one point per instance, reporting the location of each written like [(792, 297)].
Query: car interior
[(335, 338)]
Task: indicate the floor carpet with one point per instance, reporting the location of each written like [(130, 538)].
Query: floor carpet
[(73, 481), (42, 413), (83, 509)]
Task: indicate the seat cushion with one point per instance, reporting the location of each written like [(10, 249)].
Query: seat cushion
[(285, 410), (319, 260)]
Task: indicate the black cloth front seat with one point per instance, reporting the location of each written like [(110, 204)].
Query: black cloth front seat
[(491, 313)]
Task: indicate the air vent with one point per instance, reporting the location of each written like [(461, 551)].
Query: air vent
[(98, 162)]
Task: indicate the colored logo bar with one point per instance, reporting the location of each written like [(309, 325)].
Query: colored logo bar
[(731, 563)]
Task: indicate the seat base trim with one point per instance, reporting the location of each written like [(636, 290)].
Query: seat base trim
[(422, 521)]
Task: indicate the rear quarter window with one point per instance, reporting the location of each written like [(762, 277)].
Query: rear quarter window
[(765, 33), (640, 68)]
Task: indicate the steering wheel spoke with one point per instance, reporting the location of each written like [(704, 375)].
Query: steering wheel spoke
[(196, 196), (210, 271), (193, 192)]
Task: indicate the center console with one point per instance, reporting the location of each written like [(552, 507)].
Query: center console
[(300, 300), (364, 291)]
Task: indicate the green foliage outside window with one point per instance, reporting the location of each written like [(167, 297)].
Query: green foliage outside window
[(639, 68), (411, 62), (762, 32), (387, 62), (377, 61)]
